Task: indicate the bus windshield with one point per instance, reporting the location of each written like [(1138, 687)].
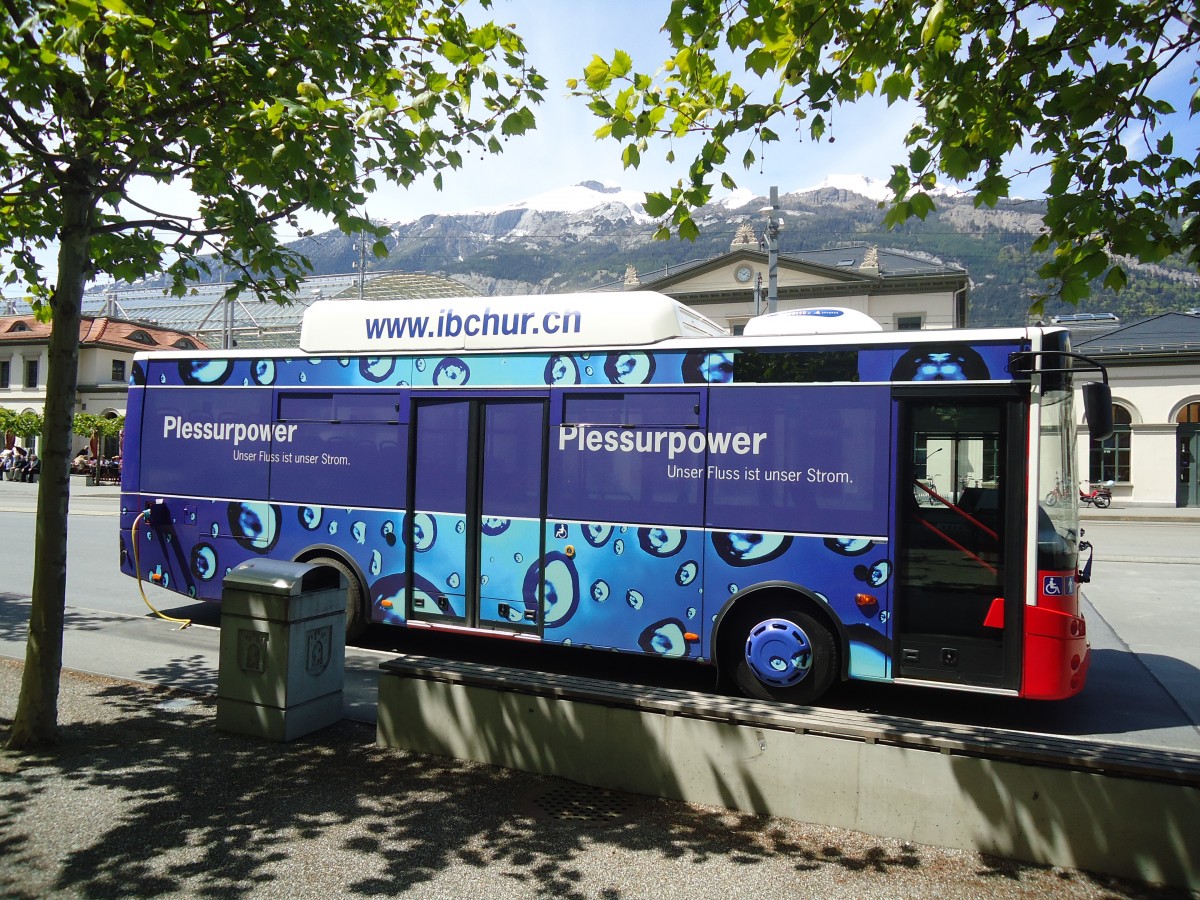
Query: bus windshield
[(1058, 512)]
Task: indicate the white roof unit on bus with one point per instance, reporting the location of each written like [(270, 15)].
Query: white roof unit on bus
[(499, 323), (812, 320)]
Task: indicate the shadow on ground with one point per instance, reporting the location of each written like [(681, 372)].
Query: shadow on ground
[(143, 796)]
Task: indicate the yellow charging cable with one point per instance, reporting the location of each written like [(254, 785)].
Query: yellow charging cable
[(137, 569)]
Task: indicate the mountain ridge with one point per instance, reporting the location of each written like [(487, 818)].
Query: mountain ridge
[(585, 236)]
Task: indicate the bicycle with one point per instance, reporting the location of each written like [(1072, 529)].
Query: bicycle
[(925, 490), (1058, 495)]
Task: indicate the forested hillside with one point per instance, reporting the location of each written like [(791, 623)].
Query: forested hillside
[(532, 249)]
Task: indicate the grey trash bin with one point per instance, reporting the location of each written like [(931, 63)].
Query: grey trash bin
[(283, 649)]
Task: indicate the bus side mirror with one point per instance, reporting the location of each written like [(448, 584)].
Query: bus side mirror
[(1097, 406)]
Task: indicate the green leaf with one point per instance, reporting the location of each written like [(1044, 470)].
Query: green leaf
[(621, 64), (933, 21), (921, 205), (656, 205), (897, 86), (597, 75)]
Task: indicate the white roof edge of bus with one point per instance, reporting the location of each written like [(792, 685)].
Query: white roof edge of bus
[(722, 341), (812, 320), (518, 322)]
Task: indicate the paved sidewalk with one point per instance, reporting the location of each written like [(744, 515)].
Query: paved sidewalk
[(144, 797), (1165, 514)]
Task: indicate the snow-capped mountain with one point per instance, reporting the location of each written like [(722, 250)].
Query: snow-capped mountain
[(586, 235), (871, 188), (575, 198)]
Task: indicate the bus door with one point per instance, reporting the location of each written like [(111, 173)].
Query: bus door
[(959, 565), (474, 528)]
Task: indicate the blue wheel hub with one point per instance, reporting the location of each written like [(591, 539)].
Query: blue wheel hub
[(779, 652)]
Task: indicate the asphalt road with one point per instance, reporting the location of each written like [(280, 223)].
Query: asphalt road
[(1143, 688)]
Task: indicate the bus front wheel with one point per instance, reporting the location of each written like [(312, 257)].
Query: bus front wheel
[(356, 619), (779, 652)]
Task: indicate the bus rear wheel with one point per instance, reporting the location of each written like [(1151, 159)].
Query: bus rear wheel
[(356, 616), (780, 652)]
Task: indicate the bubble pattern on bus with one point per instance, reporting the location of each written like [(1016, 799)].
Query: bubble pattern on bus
[(627, 586), (949, 361)]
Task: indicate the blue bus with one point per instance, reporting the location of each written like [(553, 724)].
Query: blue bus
[(812, 501)]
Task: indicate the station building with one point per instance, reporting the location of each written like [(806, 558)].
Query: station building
[(1153, 457), (900, 291), (106, 347), (1154, 365)]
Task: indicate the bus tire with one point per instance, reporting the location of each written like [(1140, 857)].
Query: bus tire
[(356, 615), (779, 652)]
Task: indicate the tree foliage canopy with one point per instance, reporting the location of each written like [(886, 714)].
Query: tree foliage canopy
[(91, 425), (25, 424), (262, 109), (1080, 86)]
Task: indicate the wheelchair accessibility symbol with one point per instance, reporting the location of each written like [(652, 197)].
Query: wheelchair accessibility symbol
[(1058, 585)]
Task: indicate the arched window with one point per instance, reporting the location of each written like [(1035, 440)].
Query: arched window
[(185, 344), (1110, 458), (1187, 436), (142, 338)]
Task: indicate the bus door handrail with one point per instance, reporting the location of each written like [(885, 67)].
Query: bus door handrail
[(957, 546), (957, 509), (966, 515)]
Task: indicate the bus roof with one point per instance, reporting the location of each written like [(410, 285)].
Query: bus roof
[(812, 320), (499, 323)]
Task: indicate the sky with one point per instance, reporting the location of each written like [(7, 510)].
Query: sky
[(561, 37)]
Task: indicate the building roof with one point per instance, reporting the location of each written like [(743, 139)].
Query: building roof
[(255, 324), (405, 286), (861, 263), (100, 331), (1171, 334), (891, 263)]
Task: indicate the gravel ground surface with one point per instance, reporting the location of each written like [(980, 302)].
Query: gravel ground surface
[(143, 797)]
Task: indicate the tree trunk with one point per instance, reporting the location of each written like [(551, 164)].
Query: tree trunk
[(36, 721)]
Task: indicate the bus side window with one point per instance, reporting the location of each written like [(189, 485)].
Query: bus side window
[(609, 459), (345, 448)]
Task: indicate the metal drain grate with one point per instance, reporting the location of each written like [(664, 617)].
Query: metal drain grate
[(579, 804)]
